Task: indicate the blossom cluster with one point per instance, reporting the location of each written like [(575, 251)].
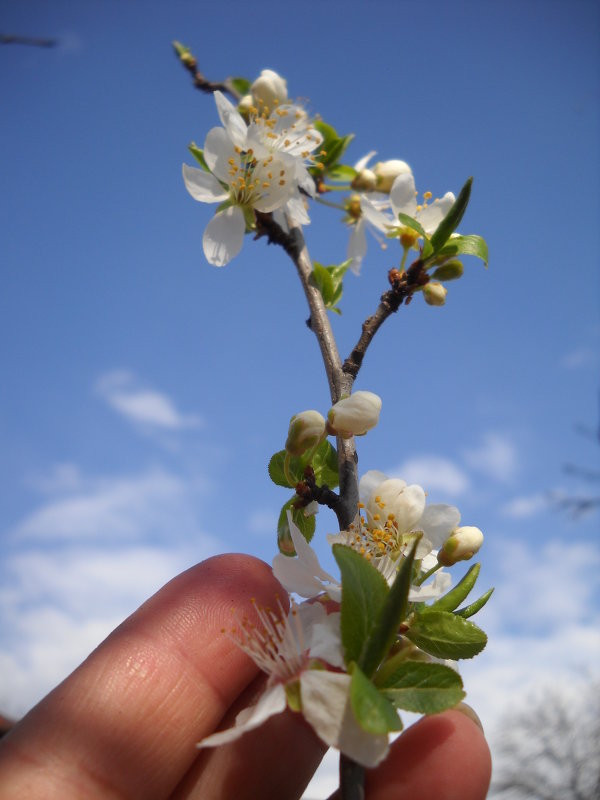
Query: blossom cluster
[(303, 651)]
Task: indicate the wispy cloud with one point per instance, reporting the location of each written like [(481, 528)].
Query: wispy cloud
[(526, 506), (580, 357), (496, 457), (143, 406), (434, 473), (132, 507)]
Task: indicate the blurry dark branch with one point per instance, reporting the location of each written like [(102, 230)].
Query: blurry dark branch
[(190, 63), (32, 41)]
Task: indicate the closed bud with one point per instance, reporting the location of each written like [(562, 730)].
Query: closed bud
[(449, 271), (386, 173), (305, 431), (246, 105), (461, 545), (354, 415), (365, 181), (269, 90), (434, 293)]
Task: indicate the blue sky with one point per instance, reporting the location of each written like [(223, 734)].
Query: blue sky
[(144, 391)]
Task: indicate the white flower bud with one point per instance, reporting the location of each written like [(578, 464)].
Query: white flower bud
[(364, 181), (246, 104), (269, 90), (461, 545), (394, 499), (305, 430), (434, 293), (354, 415), (386, 173)]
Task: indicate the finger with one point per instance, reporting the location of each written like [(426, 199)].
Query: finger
[(125, 723), (273, 762), (443, 756)]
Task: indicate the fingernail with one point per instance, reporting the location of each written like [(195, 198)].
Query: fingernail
[(468, 712)]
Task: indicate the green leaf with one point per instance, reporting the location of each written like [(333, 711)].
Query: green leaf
[(324, 283), (333, 144), (241, 85), (455, 596), (411, 223), (446, 635), (424, 688), (306, 524), (468, 245), (452, 219), (384, 631), (329, 281), (468, 611), (342, 173), (364, 591), (277, 472), (374, 713), (199, 156), (325, 465)]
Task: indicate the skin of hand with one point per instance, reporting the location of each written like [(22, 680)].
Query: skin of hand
[(125, 723)]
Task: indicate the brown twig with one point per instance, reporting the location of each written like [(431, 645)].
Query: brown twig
[(6, 38), (404, 285)]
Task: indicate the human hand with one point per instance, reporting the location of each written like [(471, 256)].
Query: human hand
[(125, 723)]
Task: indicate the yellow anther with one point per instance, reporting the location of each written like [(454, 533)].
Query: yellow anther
[(427, 195), (361, 505), (376, 516)]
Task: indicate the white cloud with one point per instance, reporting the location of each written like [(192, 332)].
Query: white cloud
[(122, 508), (79, 565), (146, 407), (496, 457), (581, 357), (434, 474), (526, 506)]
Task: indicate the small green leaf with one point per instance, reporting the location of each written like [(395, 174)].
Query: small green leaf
[(333, 144), (305, 524), (364, 591), (325, 465), (468, 611), (241, 85), (342, 173), (324, 283), (411, 223), (199, 156), (277, 471), (329, 281), (384, 631), (455, 596), (373, 711), (468, 245), (446, 635), (424, 688), (452, 219)]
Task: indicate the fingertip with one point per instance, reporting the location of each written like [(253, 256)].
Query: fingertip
[(444, 756)]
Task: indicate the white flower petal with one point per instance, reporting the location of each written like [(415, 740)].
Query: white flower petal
[(369, 482), (218, 150), (402, 195), (357, 246), (431, 216), (432, 590), (203, 186), (296, 210), (303, 575), (232, 120), (326, 707), (272, 702), (362, 162), (374, 216), (325, 639), (224, 236), (437, 522)]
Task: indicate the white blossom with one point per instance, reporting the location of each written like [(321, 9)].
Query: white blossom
[(295, 651)]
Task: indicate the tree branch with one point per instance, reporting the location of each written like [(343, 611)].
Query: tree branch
[(190, 63), (404, 285)]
